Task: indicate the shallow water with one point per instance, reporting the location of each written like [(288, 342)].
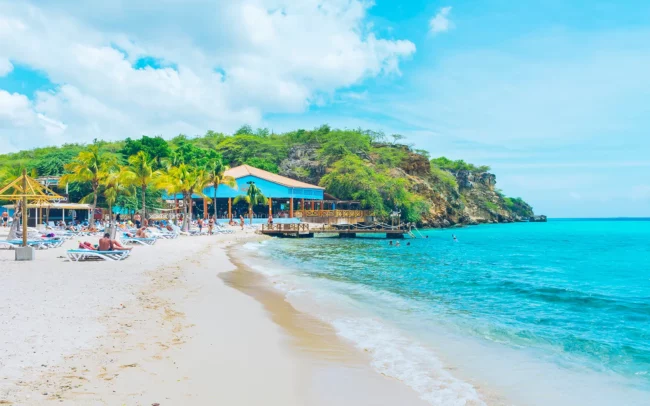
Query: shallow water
[(518, 313)]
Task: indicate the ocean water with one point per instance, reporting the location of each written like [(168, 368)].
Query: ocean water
[(540, 313)]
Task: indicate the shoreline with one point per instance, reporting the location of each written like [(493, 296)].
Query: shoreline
[(269, 290), (170, 332)]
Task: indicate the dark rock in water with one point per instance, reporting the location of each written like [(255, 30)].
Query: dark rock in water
[(538, 219)]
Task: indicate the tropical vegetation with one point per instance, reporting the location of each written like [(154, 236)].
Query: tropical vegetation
[(369, 167)]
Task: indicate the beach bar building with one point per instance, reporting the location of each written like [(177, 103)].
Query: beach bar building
[(286, 199)]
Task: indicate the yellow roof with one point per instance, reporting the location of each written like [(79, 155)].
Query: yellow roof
[(246, 170)]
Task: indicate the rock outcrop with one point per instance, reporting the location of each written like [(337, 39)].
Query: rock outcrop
[(303, 164), (455, 198)]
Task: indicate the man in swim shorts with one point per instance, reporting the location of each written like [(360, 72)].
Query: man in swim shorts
[(106, 244)]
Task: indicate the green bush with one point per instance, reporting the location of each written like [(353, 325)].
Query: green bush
[(459, 165)]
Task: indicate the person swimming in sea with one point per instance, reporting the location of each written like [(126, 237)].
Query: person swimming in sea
[(390, 242), (454, 237)]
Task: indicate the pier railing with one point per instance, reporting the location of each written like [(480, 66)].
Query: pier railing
[(296, 227), (334, 213)]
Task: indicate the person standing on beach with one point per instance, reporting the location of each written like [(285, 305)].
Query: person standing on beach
[(241, 222), (5, 218), (210, 225), (137, 220), (199, 222)]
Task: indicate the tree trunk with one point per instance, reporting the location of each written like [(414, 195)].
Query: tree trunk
[(189, 209), (175, 209), (144, 199), (185, 226), (250, 213), (13, 230), (111, 220), (91, 221)]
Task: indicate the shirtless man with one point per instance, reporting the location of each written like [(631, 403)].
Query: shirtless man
[(5, 218), (106, 244), (141, 233)]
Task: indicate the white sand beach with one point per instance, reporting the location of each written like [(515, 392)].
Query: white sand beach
[(163, 328)]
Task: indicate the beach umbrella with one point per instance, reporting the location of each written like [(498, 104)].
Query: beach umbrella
[(24, 190)]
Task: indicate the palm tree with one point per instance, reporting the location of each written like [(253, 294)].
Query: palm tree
[(217, 177), (90, 166), (252, 197), (140, 173), (187, 181), (114, 185)]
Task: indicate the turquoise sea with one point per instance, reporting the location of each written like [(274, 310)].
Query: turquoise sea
[(540, 313)]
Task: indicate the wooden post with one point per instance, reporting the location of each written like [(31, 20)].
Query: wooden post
[(24, 207), (302, 207), (291, 208), (230, 208), (270, 207), (205, 208), (312, 205)]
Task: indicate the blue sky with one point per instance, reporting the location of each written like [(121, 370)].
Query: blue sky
[(553, 95)]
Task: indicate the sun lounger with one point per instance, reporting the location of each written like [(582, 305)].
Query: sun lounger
[(168, 235), (90, 255), (141, 241), (38, 244)]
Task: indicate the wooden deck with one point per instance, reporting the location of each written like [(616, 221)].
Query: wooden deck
[(302, 230)]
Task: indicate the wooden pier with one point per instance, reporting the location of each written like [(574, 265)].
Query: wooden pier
[(303, 230)]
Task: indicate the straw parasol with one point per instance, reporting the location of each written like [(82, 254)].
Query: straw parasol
[(27, 190)]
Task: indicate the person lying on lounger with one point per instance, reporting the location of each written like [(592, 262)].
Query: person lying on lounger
[(141, 233), (106, 244)]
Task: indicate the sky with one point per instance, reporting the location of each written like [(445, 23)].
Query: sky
[(554, 95)]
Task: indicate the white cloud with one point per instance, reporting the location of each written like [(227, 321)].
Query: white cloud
[(279, 56), (19, 122), (5, 67), (440, 22)]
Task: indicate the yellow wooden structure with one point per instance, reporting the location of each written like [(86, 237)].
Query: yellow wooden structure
[(27, 190)]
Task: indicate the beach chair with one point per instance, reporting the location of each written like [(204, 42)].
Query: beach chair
[(168, 235), (10, 244), (137, 240), (90, 255), (38, 244)]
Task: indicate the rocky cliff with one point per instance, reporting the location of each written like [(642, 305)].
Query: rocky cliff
[(460, 197)]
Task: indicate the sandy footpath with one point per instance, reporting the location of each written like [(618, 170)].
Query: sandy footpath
[(160, 327)]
